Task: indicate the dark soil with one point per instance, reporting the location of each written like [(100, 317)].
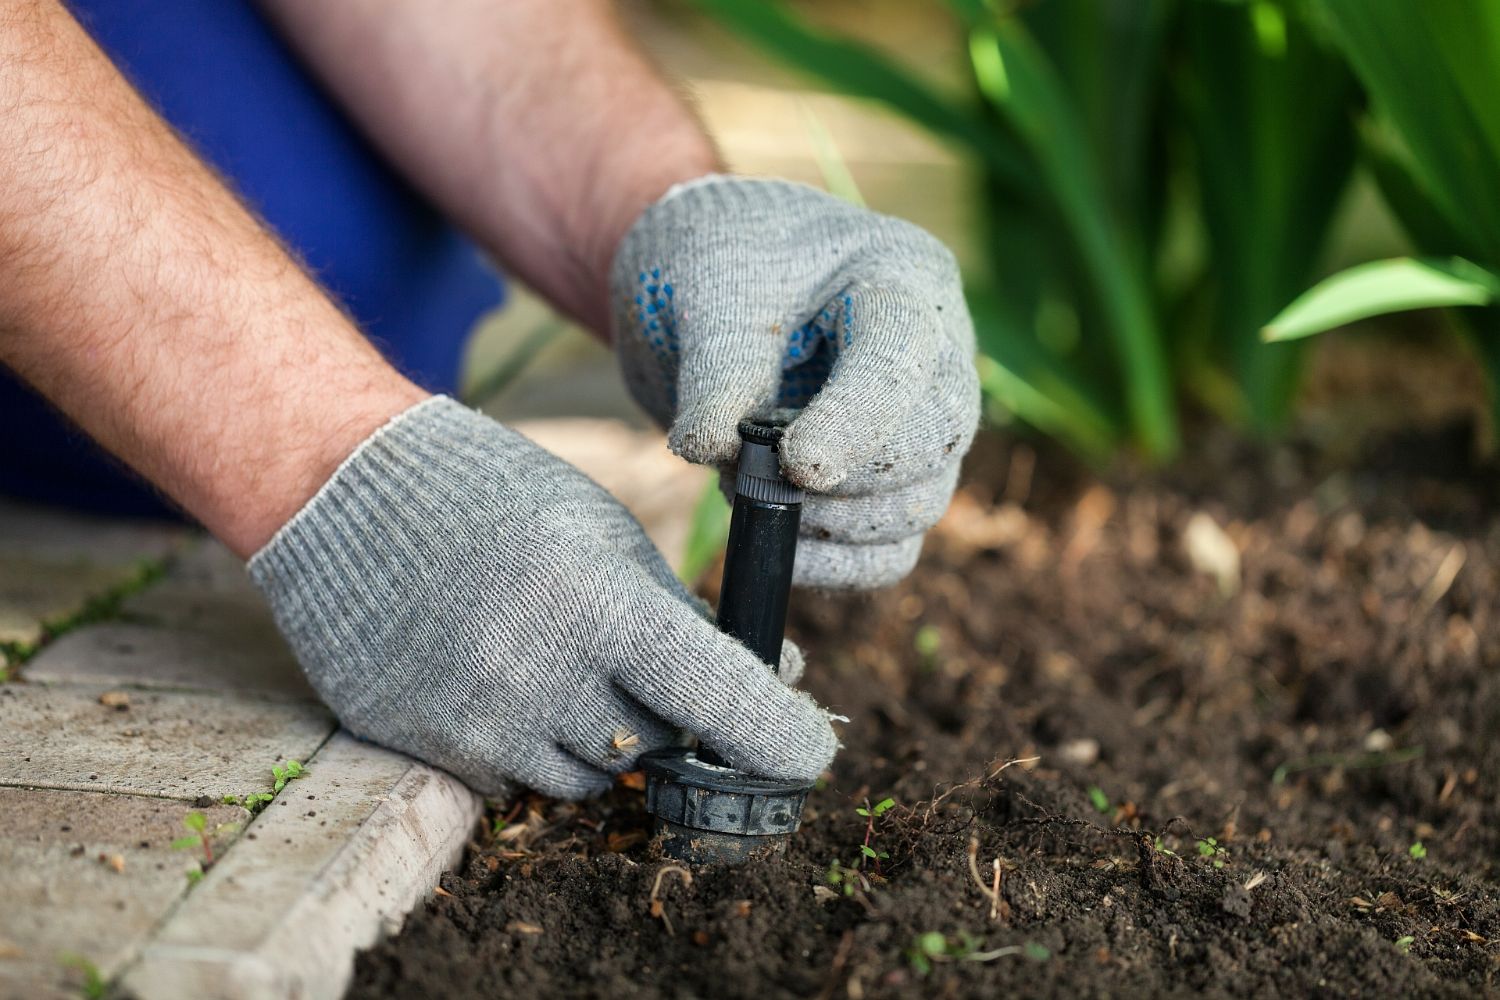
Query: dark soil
[(1325, 723)]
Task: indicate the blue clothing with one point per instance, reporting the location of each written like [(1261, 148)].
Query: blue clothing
[(219, 73)]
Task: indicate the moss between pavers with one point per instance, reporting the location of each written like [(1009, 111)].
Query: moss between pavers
[(44, 600)]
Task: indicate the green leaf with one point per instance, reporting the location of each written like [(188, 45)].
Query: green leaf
[(1418, 851), (1026, 94), (194, 876), (867, 851), (1403, 944), (932, 944), (1384, 286), (1036, 952), (707, 532), (1019, 375), (1099, 799), (195, 821), (1269, 112), (183, 843), (861, 811), (1431, 69), (884, 806), (858, 70)]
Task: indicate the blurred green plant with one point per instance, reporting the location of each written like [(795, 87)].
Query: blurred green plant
[(1097, 127), (707, 532), (1432, 141)]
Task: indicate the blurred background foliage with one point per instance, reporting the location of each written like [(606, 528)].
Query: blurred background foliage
[(1137, 189), (1159, 179)]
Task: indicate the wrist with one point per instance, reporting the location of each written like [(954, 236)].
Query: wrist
[(622, 204), (291, 450)]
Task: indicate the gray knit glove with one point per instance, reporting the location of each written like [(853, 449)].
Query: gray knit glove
[(733, 297), (457, 593)]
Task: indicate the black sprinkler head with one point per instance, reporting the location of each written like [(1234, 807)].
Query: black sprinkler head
[(707, 811)]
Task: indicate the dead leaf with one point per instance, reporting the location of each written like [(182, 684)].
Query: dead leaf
[(118, 700), (823, 894), (634, 780), (115, 862), (438, 890), (522, 927), (617, 843)]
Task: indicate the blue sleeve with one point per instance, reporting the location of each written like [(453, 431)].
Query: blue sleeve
[(220, 74)]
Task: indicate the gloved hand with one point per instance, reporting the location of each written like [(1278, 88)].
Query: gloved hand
[(457, 593), (733, 297)]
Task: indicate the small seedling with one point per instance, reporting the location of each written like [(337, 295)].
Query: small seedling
[(1417, 850), (934, 946), (252, 803), (95, 986), (928, 642), (1100, 800), (1403, 944), (1209, 847), (849, 880), (200, 837), (1161, 848), (867, 850), (292, 770)]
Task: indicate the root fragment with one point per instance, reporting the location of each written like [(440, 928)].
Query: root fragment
[(657, 909), (999, 908)]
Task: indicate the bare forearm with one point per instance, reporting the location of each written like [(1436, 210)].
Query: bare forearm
[(146, 303), (535, 123)]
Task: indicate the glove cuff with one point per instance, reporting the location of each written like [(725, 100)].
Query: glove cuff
[(374, 529)]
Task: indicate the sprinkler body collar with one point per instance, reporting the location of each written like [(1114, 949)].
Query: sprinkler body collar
[(707, 811)]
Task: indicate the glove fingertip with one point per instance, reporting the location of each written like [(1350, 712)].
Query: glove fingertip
[(813, 459), (707, 435), (800, 748)]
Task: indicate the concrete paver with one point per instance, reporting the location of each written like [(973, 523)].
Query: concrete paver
[(173, 744), (91, 870), (203, 626), (52, 564), (336, 860)]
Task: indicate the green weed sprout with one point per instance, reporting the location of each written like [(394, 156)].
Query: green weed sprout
[(1100, 800), (292, 770), (1417, 850), (199, 837), (95, 986), (1209, 847), (867, 850), (935, 946)]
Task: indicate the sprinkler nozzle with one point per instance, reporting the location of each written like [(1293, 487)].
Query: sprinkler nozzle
[(708, 811)]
